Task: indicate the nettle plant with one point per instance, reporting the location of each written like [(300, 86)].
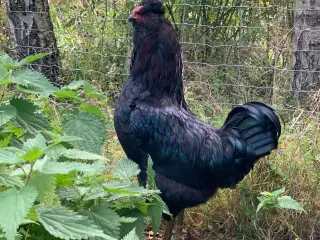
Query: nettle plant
[(53, 181), (276, 199)]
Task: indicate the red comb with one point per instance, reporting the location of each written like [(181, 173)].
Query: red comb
[(137, 9)]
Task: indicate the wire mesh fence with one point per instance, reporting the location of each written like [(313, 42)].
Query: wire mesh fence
[(234, 51)]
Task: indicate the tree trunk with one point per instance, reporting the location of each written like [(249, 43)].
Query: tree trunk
[(306, 45), (32, 32)]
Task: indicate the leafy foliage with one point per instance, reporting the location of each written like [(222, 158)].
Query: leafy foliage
[(45, 184), (7, 157), (131, 235), (27, 118), (66, 224), (15, 205), (155, 213), (86, 126), (274, 199), (6, 113), (29, 59), (32, 82), (126, 169), (9, 181), (138, 225), (107, 219), (53, 180)]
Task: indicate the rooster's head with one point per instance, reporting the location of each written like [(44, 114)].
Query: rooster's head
[(148, 14)]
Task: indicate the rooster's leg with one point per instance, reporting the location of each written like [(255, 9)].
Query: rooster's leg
[(179, 225), (169, 228)]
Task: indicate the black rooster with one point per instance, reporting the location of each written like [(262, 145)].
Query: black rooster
[(191, 158)]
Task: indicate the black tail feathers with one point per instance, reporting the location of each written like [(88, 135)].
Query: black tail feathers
[(258, 126)]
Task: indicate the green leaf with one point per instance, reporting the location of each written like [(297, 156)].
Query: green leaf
[(10, 181), (66, 179), (44, 184), (279, 191), (81, 155), (5, 60), (7, 112), (155, 213), (94, 193), (32, 154), (14, 150), (28, 221), (33, 90), (39, 141), (34, 148), (5, 75), (30, 59), (94, 110), (32, 214), (27, 118), (289, 203), (142, 206), (55, 151), (126, 169), (58, 138), (7, 157), (127, 188), (259, 207), (89, 127), (52, 135), (163, 205), (92, 93), (69, 193), (51, 167), (33, 82), (75, 85), (3, 70), (266, 201), (131, 235), (107, 219), (64, 94), (17, 131), (15, 205), (268, 194), (5, 141), (138, 225), (66, 224), (151, 175), (51, 198)]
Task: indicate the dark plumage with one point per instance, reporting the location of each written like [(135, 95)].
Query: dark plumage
[(191, 158)]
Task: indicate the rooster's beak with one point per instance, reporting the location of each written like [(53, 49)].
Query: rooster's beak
[(131, 18)]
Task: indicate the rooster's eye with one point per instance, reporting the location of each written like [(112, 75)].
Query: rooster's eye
[(147, 14)]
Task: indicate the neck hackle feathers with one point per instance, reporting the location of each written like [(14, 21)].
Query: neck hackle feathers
[(156, 57)]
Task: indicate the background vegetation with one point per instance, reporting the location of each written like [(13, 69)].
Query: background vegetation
[(234, 51)]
